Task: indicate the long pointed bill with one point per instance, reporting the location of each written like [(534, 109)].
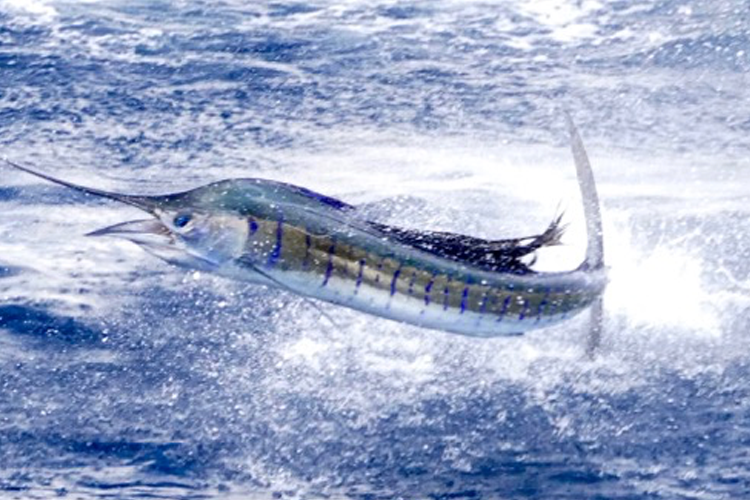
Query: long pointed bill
[(147, 203)]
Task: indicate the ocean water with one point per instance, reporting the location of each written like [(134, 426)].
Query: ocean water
[(122, 377)]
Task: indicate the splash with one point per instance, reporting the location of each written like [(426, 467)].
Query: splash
[(662, 287)]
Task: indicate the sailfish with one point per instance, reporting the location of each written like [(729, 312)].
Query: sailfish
[(286, 236)]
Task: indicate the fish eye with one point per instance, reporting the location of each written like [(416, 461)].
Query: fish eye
[(182, 220)]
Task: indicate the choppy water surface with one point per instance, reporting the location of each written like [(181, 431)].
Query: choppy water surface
[(121, 377)]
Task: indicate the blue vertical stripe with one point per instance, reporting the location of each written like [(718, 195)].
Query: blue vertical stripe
[(308, 245), (427, 290), (524, 310), (553, 307), (464, 298), (504, 310), (411, 282), (483, 304), (329, 266), (273, 258), (446, 291), (554, 304), (394, 280), (542, 306), (380, 268), (360, 275)]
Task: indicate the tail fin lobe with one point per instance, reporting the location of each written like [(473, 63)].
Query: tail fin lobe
[(595, 246)]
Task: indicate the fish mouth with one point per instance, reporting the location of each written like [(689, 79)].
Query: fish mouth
[(144, 232), (157, 239)]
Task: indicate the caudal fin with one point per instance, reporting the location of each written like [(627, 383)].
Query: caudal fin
[(595, 246)]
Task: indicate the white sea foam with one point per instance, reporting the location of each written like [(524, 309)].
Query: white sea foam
[(660, 287), (36, 10)]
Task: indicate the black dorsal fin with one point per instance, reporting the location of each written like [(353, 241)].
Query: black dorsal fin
[(492, 255)]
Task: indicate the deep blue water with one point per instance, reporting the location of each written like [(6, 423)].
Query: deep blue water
[(122, 377)]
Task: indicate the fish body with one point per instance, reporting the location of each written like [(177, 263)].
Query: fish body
[(340, 259), (319, 247)]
